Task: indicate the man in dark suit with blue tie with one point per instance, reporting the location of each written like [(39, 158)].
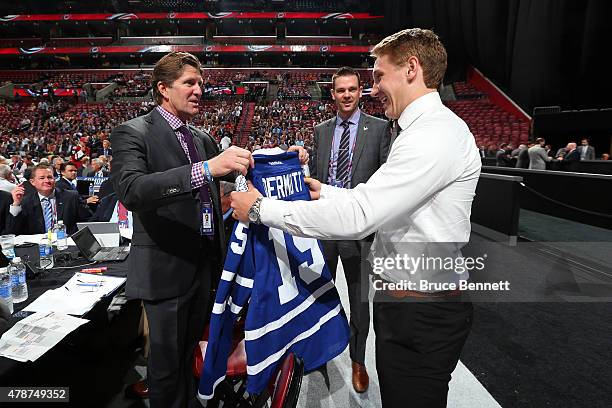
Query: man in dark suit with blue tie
[(348, 149), (36, 212), (167, 172), (105, 150)]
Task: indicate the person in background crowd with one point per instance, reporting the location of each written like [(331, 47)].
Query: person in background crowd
[(587, 152), (97, 169), (105, 150), (605, 156), (7, 178), (537, 155), (57, 163), (522, 159), (38, 213), (83, 167)]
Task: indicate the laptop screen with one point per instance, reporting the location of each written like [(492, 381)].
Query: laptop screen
[(86, 242)]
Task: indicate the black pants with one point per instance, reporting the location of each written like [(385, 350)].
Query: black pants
[(175, 327), (350, 253), (418, 344)]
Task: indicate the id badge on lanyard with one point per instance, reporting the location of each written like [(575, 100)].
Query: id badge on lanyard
[(207, 220)]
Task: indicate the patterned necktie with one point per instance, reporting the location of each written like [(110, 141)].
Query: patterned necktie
[(194, 157), (342, 168), (47, 213)]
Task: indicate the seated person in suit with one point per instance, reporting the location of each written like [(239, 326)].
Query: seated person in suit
[(68, 175), (97, 169), (68, 180), (105, 150), (36, 213)]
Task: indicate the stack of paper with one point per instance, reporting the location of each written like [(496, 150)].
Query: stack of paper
[(33, 336), (78, 296)]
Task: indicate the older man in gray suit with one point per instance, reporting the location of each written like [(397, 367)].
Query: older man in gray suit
[(538, 156), (348, 149)]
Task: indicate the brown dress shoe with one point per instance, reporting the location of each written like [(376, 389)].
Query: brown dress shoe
[(139, 389), (361, 380)]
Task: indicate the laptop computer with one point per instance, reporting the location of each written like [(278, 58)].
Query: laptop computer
[(93, 251), (107, 233)]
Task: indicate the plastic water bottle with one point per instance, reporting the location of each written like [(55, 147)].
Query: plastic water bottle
[(45, 250), (6, 293), (18, 280), (60, 234), (91, 188)]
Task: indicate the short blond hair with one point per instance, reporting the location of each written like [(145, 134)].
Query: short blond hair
[(421, 43)]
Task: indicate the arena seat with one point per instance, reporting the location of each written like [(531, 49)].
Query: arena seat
[(282, 391)]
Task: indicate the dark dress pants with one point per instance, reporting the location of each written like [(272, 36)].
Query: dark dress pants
[(418, 343), (175, 327), (350, 254)]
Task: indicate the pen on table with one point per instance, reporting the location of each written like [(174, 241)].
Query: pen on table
[(94, 270)]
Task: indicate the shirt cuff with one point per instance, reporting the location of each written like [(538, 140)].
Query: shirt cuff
[(197, 175), (272, 212), (15, 210)]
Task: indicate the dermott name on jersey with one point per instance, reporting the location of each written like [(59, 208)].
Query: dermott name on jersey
[(282, 186)]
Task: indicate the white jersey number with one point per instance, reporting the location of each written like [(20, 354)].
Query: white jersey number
[(308, 272)]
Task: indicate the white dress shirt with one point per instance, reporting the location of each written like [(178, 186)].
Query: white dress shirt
[(422, 194), (16, 209)]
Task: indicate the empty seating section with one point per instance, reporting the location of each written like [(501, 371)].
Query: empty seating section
[(490, 124), (465, 90)]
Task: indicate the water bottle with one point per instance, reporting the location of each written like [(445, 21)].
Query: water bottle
[(91, 188), (46, 256), (6, 294), (60, 235), (18, 280)]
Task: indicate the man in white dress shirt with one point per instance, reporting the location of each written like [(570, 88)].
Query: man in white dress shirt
[(414, 198)]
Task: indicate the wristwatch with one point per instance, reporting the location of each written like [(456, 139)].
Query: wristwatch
[(254, 211)]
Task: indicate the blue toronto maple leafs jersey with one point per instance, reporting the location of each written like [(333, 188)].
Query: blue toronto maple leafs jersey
[(293, 305)]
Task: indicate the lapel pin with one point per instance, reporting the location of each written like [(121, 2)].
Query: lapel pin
[(365, 128)]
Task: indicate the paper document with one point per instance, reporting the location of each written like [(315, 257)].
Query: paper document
[(33, 336), (78, 296)]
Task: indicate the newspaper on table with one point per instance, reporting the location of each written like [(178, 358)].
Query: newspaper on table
[(33, 336), (77, 296)]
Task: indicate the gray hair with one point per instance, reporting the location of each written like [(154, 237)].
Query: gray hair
[(4, 171)]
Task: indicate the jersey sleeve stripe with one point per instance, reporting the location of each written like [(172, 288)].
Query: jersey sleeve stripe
[(286, 318), (255, 369), (246, 282), (227, 275)]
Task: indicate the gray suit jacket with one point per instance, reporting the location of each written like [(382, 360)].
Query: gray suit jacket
[(538, 158), (371, 148), (590, 153)]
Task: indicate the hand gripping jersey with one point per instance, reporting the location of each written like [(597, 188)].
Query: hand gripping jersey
[(293, 305)]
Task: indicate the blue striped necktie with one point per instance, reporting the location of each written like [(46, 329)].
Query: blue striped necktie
[(342, 168), (48, 213)]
